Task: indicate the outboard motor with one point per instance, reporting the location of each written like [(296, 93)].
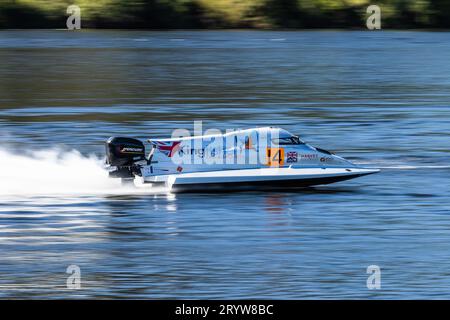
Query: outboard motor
[(123, 153)]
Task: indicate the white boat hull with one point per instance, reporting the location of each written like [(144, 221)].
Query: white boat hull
[(254, 179)]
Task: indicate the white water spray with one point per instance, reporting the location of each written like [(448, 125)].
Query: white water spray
[(57, 172)]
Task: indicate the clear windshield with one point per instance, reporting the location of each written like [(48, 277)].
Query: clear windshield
[(293, 140)]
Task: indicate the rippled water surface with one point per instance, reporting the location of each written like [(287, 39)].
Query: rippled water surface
[(381, 99)]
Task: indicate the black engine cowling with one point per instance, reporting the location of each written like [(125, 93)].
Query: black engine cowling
[(124, 152)]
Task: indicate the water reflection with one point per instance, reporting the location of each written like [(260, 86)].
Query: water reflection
[(362, 95), (275, 203)]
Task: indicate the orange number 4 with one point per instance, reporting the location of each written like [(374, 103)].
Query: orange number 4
[(275, 157)]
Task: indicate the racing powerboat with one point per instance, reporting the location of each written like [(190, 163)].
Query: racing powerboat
[(267, 158)]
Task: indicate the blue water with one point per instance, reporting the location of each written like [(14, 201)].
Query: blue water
[(381, 99)]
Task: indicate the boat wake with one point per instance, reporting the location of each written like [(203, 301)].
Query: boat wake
[(400, 166), (59, 172), (405, 167)]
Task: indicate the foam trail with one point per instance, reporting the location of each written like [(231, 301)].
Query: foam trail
[(57, 172)]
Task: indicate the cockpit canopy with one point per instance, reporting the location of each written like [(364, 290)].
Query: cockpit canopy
[(286, 138), (249, 137), (292, 140)]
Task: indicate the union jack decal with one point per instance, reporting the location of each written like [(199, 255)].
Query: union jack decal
[(291, 156), (167, 147)]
